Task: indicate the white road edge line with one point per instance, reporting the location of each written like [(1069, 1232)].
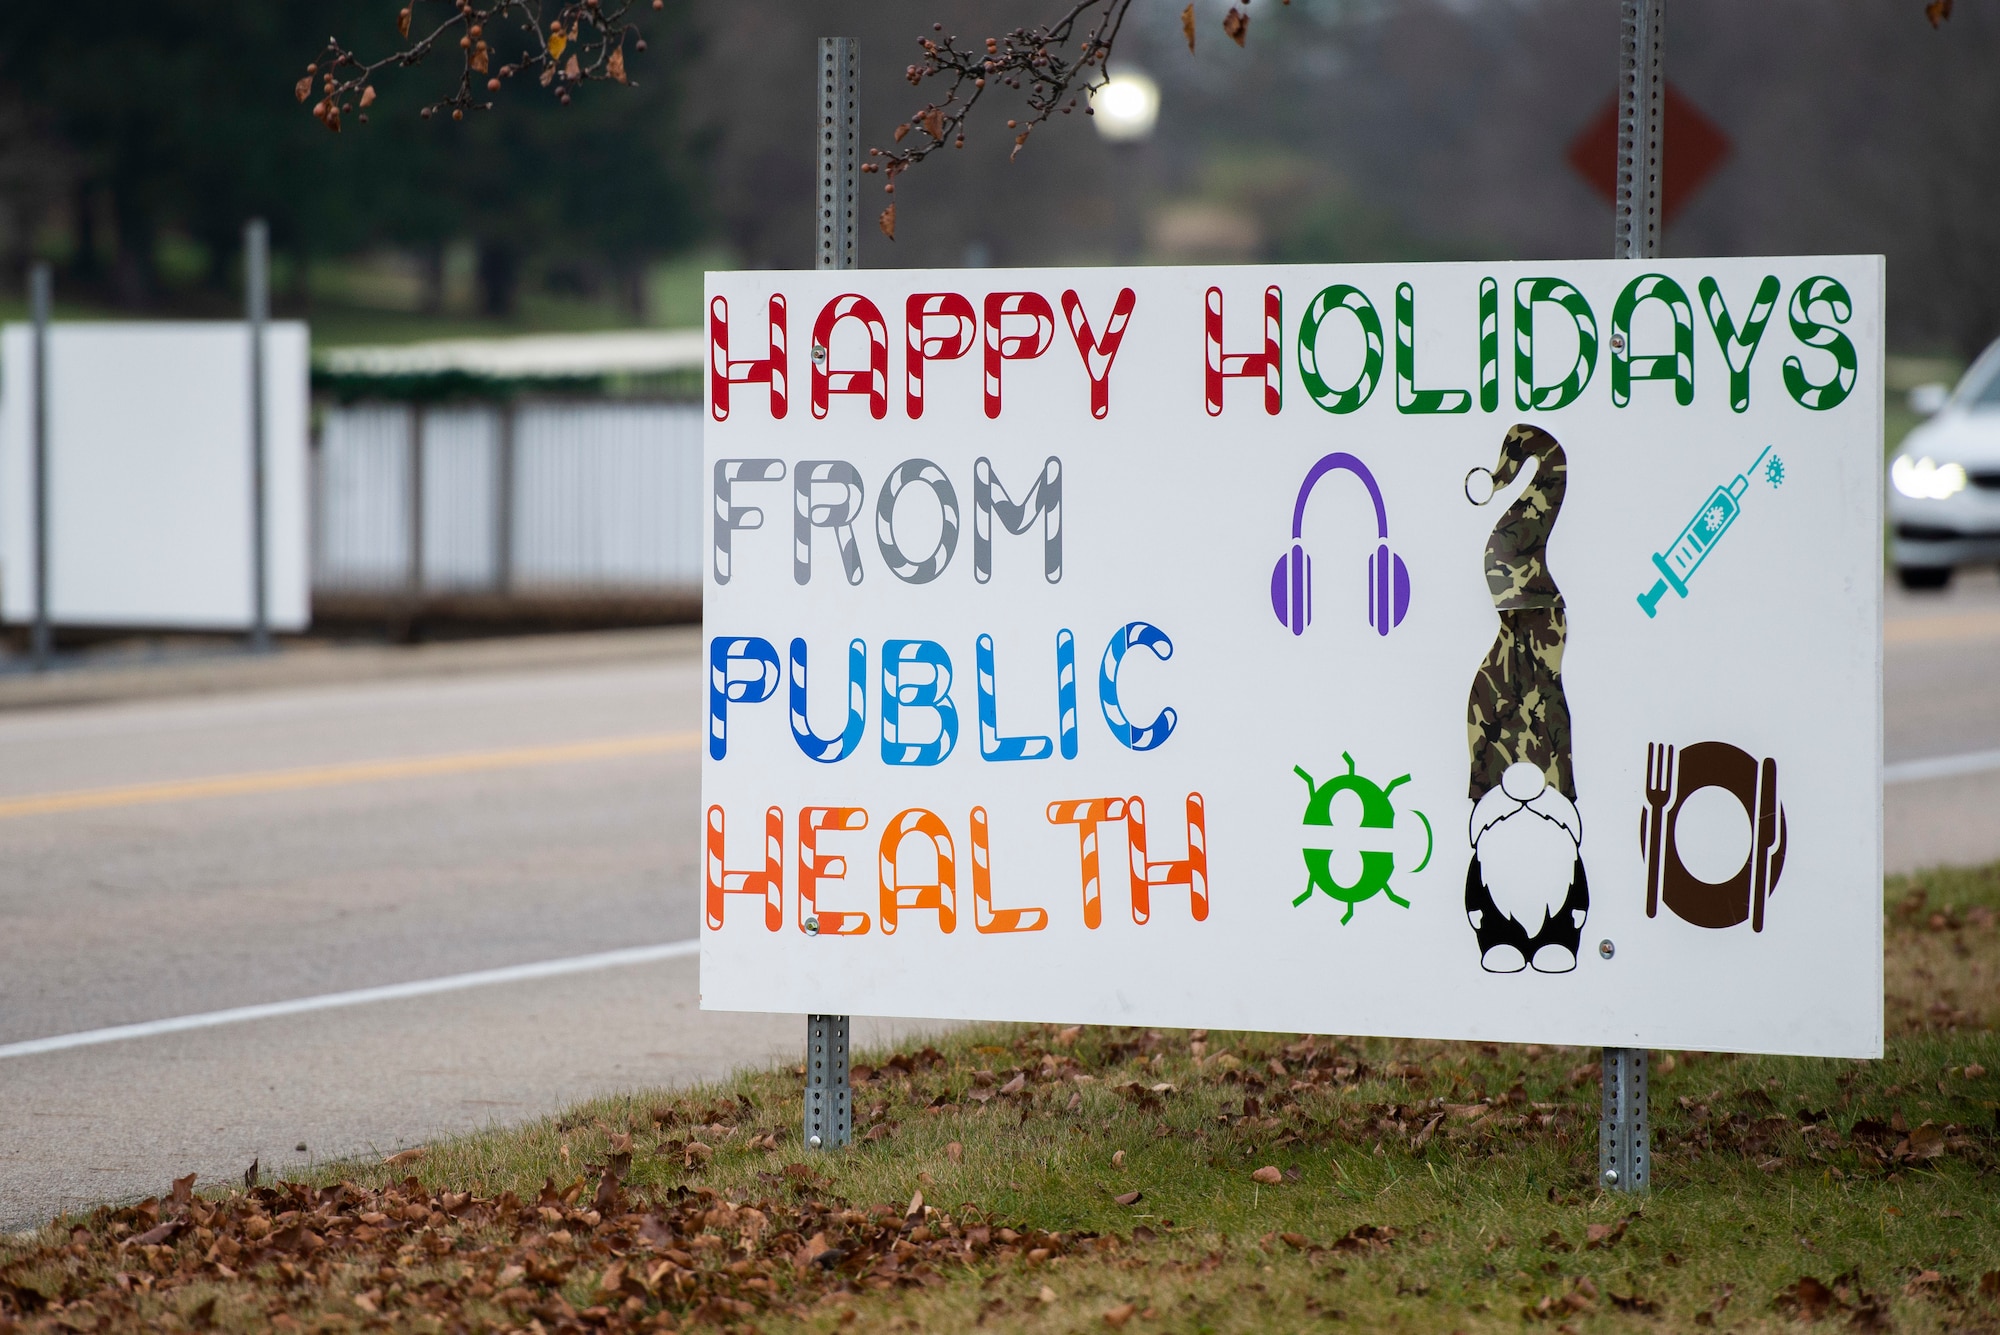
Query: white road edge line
[(1941, 767), (513, 973)]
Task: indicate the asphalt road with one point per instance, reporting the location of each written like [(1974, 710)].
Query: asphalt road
[(1941, 697), (562, 824), (285, 843)]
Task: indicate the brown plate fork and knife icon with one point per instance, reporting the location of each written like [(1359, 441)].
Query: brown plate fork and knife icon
[(1674, 776)]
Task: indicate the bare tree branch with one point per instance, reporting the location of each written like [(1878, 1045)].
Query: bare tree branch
[(563, 43)]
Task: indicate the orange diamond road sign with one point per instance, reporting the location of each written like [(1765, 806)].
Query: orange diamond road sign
[(1695, 146)]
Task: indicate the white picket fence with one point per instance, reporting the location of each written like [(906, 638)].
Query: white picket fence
[(530, 497)]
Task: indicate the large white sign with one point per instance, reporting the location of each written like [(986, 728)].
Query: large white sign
[(1473, 651), (149, 519)]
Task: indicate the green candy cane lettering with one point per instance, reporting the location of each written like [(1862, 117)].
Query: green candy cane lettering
[(1529, 293), (1340, 297), (1739, 346), (1410, 399), (1489, 345), (1626, 367), (1815, 334)]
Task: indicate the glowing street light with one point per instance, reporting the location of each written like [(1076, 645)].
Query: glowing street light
[(1126, 107)]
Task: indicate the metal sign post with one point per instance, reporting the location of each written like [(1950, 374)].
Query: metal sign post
[(1624, 1137), (829, 1104), (40, 285), (257, 300)]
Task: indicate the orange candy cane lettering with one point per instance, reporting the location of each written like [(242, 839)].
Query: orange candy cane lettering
[(984, 916), (814, 868), (1088, 814), (769, 884), (1190, 873), (899, 897)]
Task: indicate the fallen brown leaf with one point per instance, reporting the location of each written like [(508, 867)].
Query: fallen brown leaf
[(1119, 1315), (954, 1152), (1187, 27), (1129, 1198), (1807, 1299), (1236, 23), (1268, 1175), (410, 1155)]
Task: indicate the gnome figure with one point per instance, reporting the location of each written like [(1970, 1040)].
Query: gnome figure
[(1525, 893)]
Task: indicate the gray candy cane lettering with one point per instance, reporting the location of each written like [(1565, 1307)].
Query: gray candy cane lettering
[(729, 517), (908, 472), (1043, 501), (808, 514)]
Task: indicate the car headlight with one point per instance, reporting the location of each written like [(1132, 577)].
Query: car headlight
[(1925, 479)]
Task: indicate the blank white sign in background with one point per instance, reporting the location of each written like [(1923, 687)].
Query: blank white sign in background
[(149, 475)]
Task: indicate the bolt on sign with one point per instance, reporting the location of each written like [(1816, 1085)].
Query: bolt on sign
[(1471, 651)]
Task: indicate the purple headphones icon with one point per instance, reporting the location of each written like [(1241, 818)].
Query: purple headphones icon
[(1388, 577)]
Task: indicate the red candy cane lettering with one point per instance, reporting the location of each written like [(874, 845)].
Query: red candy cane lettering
[(766, 370), (924, 313), (1268, 365), (1190, 873), (984, 916), (874, 382), (813, 869), (1088, 814), (1097, 356), (1002, 346), (941, 894), (769, 883)]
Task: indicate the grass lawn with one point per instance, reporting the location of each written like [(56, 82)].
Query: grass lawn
[(1025, 1178)]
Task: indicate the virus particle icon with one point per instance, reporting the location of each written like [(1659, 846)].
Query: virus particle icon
[(1378, 812), (1713, 518), (1774, 472)]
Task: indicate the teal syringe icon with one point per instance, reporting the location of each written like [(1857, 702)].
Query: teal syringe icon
[(1698, 539)]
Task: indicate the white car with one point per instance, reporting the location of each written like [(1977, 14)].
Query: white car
[(1944, 483)]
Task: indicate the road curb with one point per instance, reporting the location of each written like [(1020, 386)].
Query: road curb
[(308, 663)]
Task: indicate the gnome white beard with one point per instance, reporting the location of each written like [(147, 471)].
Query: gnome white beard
[(1526, 862)]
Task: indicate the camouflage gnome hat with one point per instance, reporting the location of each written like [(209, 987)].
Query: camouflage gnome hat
[(1517, 711)]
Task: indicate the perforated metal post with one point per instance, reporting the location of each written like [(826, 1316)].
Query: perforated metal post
[(1642, 92), (839, 154), (829, 1110), (1624, 1136), (1624, 1133), (257, 301), (829, 1099)]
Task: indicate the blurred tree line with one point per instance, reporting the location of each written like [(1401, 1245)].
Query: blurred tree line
[(1359, 130), (149, 118), (1345, 130)]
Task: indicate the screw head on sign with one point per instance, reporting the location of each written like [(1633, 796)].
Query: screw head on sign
[(812, 926), (1606, 949), (1611, 1177), (812, 1142), (819, 355), (1617, 342)]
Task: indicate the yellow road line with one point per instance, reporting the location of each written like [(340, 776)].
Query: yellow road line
[(1956, 626), (329, 776)]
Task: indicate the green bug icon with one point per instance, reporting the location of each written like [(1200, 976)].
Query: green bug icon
[(1378, 812)]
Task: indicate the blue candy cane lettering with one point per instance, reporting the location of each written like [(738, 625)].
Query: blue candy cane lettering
[(1066, 692), (1152, 735), (916, 674), (992, 746), (826, 750), (730, 663)]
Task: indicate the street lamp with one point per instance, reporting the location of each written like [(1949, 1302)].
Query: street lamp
[(1126, 107)]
